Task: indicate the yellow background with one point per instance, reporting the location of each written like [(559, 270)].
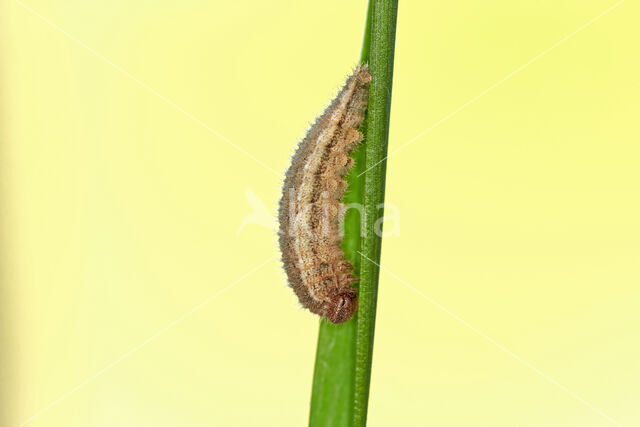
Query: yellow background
[(120, 213)]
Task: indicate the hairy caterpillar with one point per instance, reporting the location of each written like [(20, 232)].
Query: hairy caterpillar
[(310, 208)]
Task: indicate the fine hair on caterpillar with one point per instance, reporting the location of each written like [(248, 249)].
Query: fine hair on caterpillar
[(326, 218), (311, 208)]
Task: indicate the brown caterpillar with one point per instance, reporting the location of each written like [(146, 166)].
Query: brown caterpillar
[(310, 208)]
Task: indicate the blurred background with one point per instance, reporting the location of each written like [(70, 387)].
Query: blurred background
[(142, 151)]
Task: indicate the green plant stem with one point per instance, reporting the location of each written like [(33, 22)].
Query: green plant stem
[(343, 357), (383, 31)]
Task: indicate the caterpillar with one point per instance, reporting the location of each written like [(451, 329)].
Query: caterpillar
[(310, 209)]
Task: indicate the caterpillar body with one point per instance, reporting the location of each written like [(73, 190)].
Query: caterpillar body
[(310, 208)]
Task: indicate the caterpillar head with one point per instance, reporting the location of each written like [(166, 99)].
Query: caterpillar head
[(342, 306)]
